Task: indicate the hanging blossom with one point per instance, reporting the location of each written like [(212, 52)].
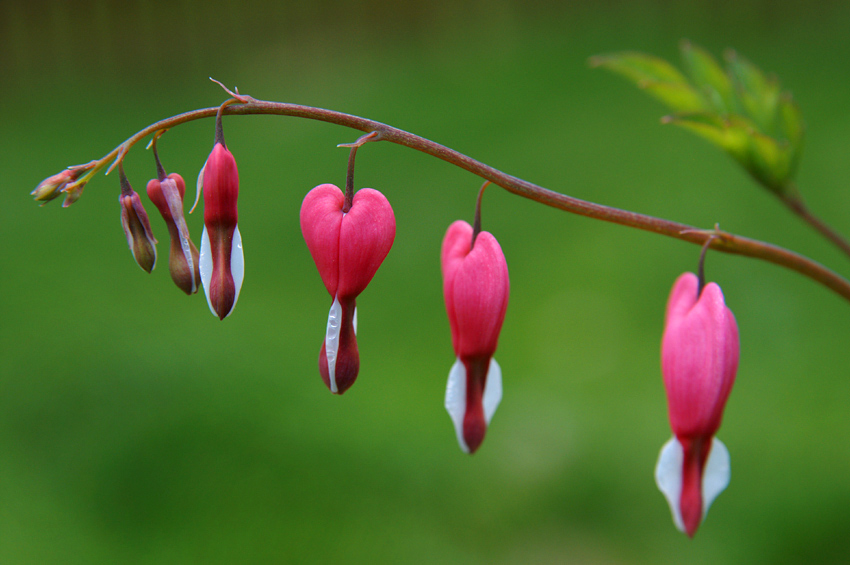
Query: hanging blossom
[(167, 192), (137, 226), (347, 247), (221, 261), (699, 359), (475, 288)]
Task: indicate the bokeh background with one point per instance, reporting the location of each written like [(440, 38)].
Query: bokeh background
[(137, 428)]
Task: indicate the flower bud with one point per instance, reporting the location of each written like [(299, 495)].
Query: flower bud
[(699, 360), (347, 247), (476, 289), (63, 182), (137, 227), (52, 186), (167, 195), (221, 262)]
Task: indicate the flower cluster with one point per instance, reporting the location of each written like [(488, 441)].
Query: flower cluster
[(350, 234)]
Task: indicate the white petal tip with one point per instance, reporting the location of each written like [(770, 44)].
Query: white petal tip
[(492, 390), (668, 476), (716, 476), (205, 267), (332, 341), (455, 401), (237, 267)]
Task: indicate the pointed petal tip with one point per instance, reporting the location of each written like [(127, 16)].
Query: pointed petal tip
[(668, 477)]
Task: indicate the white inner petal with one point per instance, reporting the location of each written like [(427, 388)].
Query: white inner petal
[(668, 477), (332, 341), (354, 321), (205, 266), (492, 390), (237, 265), (456, 400), (716, 476)]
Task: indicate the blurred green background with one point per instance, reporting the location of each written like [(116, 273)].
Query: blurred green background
[(137, 428)]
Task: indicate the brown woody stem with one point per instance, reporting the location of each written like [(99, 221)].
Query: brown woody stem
[(716, 239)]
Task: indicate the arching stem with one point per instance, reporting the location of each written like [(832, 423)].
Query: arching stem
[(723, 241)]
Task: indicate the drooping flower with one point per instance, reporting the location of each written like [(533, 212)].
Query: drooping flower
[(475, 288), (699, 360), (137, 226), (347, 247), (167, 194), (221, 261)]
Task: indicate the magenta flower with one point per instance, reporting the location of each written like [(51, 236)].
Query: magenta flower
[(167, 194), (347, 247), (475, 288), (699, 359), (221, 262)]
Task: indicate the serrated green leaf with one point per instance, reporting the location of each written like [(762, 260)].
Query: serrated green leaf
[(639, 67), (709, 77), (679, 97)]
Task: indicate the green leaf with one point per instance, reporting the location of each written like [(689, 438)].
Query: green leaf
[(679, 97), (758, 94), (656, 76), (709, 77), (791, 125), (741, 110), (792, 128), (639, 67), (730, 134), (771, 162)]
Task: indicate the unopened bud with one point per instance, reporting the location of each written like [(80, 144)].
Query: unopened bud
[(167, 195), (136, 225)]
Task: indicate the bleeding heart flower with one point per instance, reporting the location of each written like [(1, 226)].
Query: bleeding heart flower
[(347, 247), (167, 194), (475, 288), (699, 359), (221, 262)]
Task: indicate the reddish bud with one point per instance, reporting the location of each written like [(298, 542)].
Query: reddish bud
[(167, 195), (137, 227), (222, 264), (52, 186), (63, 182)]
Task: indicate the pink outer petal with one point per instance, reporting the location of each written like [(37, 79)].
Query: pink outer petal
[(475, 288), (366, 236), (699, 357), (221, 188), (321, 223)]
